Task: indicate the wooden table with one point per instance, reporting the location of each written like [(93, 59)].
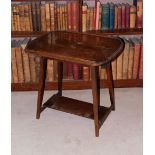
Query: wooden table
[(84, 49)]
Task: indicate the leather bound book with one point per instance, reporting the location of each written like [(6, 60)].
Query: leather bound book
[(75, 72), (120, 67), (37, 62), (12, 20), (65, 7), (55, 17), (50, 74), (32, 67), (136, 57), (17, 17), (48, 22), (139, 14), (116, 17), (58, 16), (97, 14), (123, 16), (26, 16), (105, 17), (26, 65), (132, 16), (30, 16), (43, 17), (14, 61), (91, 18), (84, 18), (125, 59), (88, 19), (127, 15), (19, 60), (14, 12), (75, 15), (100, 17), (86, 73), (63, 17), (131, 59), (52, 16), (34, 16), (141, 62), (114, 69), (21, 17), (112, 16), (69, 16), (119, 16), (38, 16)]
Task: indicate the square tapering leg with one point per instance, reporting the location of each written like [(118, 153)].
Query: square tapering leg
[(42, 77), (111, 85), (60, 77), (96, 98)]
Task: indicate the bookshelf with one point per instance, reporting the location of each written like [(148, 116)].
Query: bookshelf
[(76, 84)]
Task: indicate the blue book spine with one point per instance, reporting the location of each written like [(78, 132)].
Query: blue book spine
[(112, 16), (105, 17)]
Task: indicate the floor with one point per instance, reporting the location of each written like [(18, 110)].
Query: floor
[(59, 133)]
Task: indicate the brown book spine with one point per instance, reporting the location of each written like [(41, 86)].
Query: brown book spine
[(139, 14), (48, 22), (52, 16), (30, 17), (11, 75), (26, 66), (55, 17), (14, 17), (136, 60), (116, 17), (127, 14), (43, 18), (21, 17), (18, 16), (141, 64), (50, 74), (123, 16), (58, 16), (75, 15), (12, 20), (19, 65), (114, 69), (91, 18), (120, 67), (14, 65), (132, 16), (26, 16), (37, 67), (125, 59), (84, 18), (61, 17), (100, 16), (86, 73), (65, 7), (32, 67), (119, 17), (131, 58)]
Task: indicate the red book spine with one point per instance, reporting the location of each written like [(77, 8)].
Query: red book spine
[(123, 17), (136, 61), (139, 14), (119, 17), (69, 16), (75, 15), (141, 64), (127, 14), (75, 72)]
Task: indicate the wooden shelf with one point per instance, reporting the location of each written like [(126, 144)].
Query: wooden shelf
[(118, 32), (115, 32), (76, 85), (73, 106)]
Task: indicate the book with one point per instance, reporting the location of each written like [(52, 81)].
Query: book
[(125, 59), (141, 61), (120, 67), (123, 16), (26, 65), (86, 73), (127, 15), (116, 17), (112, 16), (136, 61), (50, 74), (52, 16), (47, 16), (69, 15), (43, 17), (114, 69), (132, 16), (84, 18), (14, 61), (139, 14), (105, 16), (38, 16), (119, 16), (131, 59), (19, 61), (97, 15), (75, 15)]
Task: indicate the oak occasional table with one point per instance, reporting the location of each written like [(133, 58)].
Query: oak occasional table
[(84, 49)]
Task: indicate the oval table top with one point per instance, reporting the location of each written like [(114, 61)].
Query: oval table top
[(81, 48)]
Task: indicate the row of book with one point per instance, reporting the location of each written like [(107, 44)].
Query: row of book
[(45, 16), (112, 16), (25, 66)]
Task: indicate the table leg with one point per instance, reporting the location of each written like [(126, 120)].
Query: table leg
[(60, 77), (111, 85), (96, 98), (42, 77)]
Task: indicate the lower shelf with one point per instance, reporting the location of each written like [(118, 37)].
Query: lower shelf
[(76, 107), (77, 85)]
